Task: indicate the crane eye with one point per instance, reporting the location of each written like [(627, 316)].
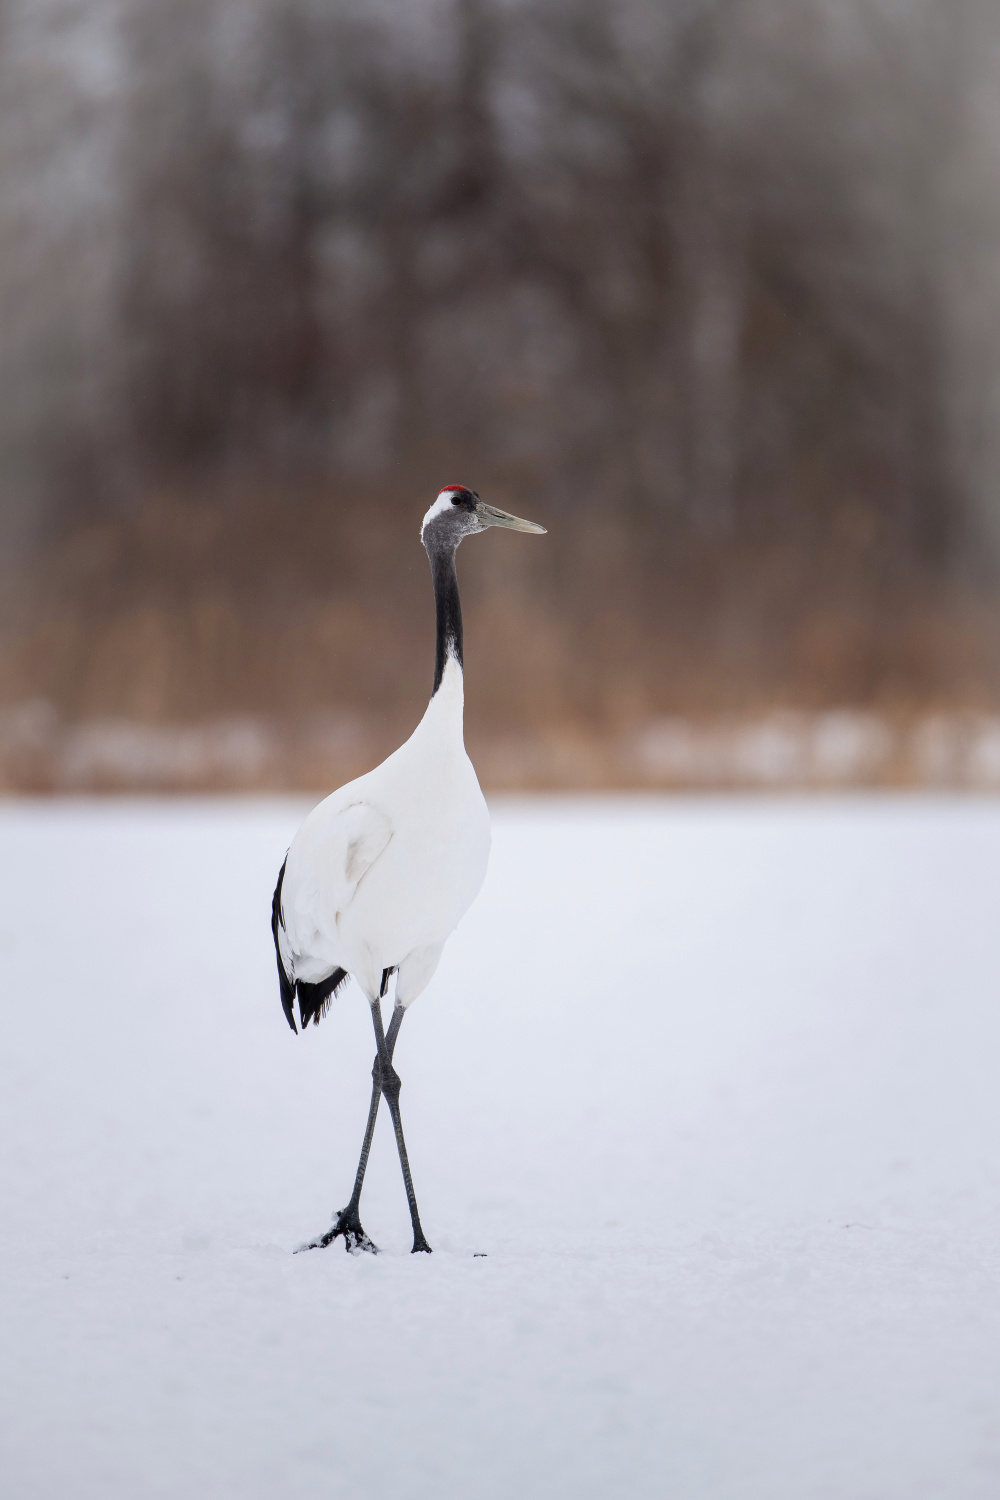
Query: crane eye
[(456, 499)]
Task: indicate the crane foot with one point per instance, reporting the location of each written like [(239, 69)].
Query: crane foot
[(348, 1224)]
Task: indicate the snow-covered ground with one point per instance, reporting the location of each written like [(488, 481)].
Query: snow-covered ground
[(703, 1110)]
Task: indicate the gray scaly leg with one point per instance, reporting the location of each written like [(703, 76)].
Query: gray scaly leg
[(390, 1088)]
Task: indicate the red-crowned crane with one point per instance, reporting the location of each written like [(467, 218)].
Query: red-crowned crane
[(382, 871)]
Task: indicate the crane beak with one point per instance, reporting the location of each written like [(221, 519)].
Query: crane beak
[(490, 516)]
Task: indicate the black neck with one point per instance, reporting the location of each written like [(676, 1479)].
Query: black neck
[(449, 610)]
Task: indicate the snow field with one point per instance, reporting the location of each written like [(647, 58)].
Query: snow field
[(710, 1088)]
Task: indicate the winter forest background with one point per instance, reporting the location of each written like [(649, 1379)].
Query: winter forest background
[(709, 288)]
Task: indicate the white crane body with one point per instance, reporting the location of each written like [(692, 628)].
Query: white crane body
[(382, 871)]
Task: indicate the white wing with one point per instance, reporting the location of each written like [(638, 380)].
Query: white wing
[(330, 856)]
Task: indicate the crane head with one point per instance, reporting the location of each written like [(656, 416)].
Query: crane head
[(458, 512)]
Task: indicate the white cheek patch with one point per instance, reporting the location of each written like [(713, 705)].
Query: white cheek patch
[(442, 503)]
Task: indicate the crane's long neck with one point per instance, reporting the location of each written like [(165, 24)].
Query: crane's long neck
[(449, 612)]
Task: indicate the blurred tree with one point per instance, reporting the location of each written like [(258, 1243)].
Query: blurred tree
[(686, 255)]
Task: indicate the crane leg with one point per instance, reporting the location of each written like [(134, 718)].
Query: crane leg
[(348, 1220), (385, 1080), (386, 1043)]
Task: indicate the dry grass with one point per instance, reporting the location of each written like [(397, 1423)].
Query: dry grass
[(271, 642)]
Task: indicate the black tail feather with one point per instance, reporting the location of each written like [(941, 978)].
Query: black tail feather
[(284, 983), (315, 999)]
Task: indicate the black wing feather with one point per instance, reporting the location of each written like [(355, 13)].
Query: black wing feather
[(314, 999), (285, 984)]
